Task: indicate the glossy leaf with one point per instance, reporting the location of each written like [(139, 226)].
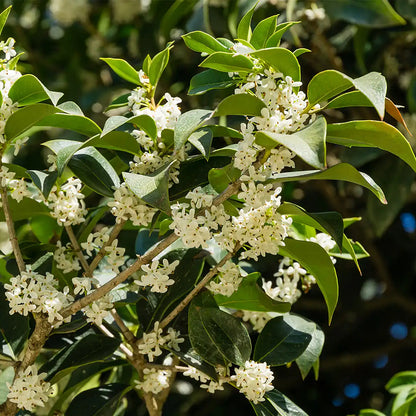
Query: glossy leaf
[(95, 171), (370, 412), (350, 99), (263, 31), (371, 13), (340, 172), (115, 140), (143, 122), (25, 209), (29, 90), (45, 228), (275, 39), (283, 340), (187, 123), (209, 80), (78, 123), (25, 118), (250, 297), (222, 131), (202, 140), (218, 337), (3, 17), (91, 348), (244, 27), (317, 262), (158, 65), (328, 222), (280, 59), (14, 329), (63, 149), (240, 104), (99, 401), (44, 181), (300, 51), (400, 381), (394, 111), (308, 143), (277, 404), (203, 42), (152, 189), (123, 69), (227, 62), (369, 133), (220, 178)]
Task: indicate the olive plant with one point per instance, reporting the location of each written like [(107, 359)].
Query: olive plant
[(133, 256)]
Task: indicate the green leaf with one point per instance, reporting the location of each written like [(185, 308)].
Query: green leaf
[(63, 149), (25, 118), (123, 69), (187, 123), (240, 104), (152, 189), (202, 140), (209, 80), (29, 90), (327, 222), (3, 17), (250, 297), (244, 27), (370, 13), (99, 401), (158, 65), (220, 178), (89, 349), (203, 42), (115, 140), (318, 263), (350, 99), (222, 131), (44, 181), (274, 40), (45, 228), (6, 376), (370, 412), (308, 143), (370, 133), (227, 62), (277, 404), (311, 355), (280, 59), (300, 51), (219, 338), (400, 381), (340, 172), (118, 102), (73, 122), (283, 339), (143, 122), (25, 209), (263, 31), (14, 329), (95, 171)]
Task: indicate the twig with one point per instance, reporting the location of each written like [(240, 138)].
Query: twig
[(131, 339), (122, 347), (12, 232), (77, 249)]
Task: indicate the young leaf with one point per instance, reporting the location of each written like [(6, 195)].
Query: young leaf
[(263, 31), (29, 90), (244, 27), (370, 133), (89, 349), (274, 40), (370, 412), (250, 297), (203, 42), (25, 118), (240, 104), (228, 62), (218, 337), (308, 143), (158, 65), (99, 401), (283, 340), (209, 80), (202, 140), (340, 172), (401, 381), (318, 263), (187, 123), (152, 189), (43, 181), (95, 171), (394, 111), (123, 69), (280, 59), (300, 51), (3, 17)]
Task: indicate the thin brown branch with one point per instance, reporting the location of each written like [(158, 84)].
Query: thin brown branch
[(130, 338), (78, 251), (12, 232)]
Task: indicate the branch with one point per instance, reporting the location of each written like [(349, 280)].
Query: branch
[(77, 249), (12, 233)]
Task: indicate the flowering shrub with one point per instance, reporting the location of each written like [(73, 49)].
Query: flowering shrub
[(151, 226)]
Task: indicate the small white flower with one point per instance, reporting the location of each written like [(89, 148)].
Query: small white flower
[(157, 275)]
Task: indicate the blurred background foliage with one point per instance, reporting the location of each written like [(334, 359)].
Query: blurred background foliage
[(373, 334)]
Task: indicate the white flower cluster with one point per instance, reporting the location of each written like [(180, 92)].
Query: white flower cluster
[(18, 187), (229, 278), (68, 12), (29, 389), (115, 255), (258, 320), (95, 241), (126, 206), (67, 203), (152, 341), (33, 292), (65, 258), (254, 380), (157, 275), (206, 382), (154, 381)]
